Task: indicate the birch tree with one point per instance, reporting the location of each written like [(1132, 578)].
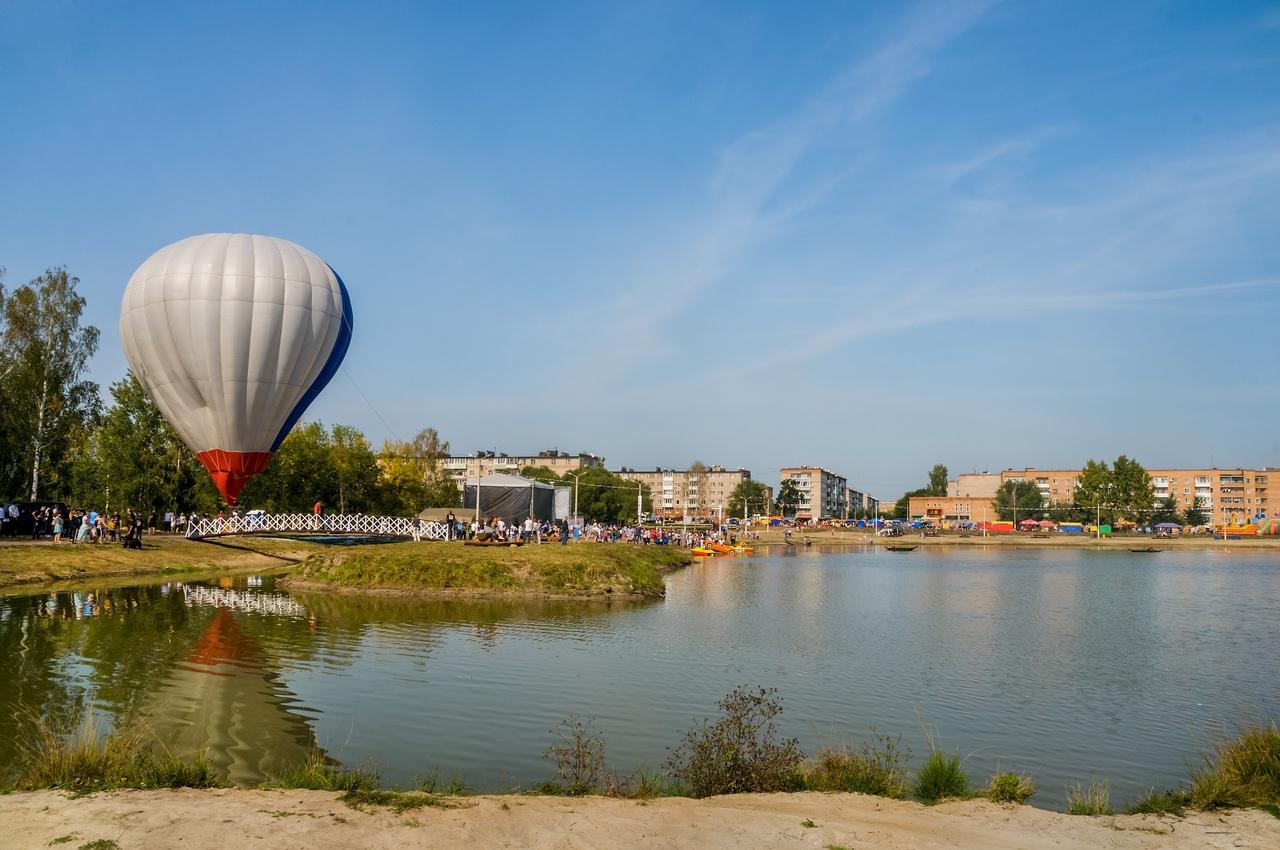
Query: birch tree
[(44, 354)]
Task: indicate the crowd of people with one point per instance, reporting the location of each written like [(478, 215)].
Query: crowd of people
[(74, 525), (498, 530)]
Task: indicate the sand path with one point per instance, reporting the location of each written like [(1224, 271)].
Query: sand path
[(142, 820)]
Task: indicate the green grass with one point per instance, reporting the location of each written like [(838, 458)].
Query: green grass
[(100, 844), (1161, 803), (940, 778), (1092, 801), (878, 768), (582, 569), (1009, 787), (25, 562), (319, 774), (1244, 771), (83, 762)]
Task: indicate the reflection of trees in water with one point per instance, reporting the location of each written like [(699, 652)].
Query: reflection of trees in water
[(54, 659), (206, 677), (345, 618)]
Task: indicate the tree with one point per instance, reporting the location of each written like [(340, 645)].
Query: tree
[(750, 497), (696, 496), (141, 460), (1132, 490), (606, 497), (1094, 492), (902, 507), (541, 473), (789, 497), (412, 476), (1196, 514), (1166, 511), (357, 469), (1017, 500), (44, 395), (937, 480)]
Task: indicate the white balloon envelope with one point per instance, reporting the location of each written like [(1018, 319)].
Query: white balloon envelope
[(233, 335)]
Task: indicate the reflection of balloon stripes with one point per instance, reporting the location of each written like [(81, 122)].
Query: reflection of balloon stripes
[(278, 604)]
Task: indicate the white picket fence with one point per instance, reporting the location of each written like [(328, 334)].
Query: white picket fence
[(388, 526)]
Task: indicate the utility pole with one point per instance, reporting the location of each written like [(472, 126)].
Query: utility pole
[(639, 504)]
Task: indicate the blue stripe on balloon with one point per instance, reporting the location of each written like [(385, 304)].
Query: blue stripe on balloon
[(330, 369)]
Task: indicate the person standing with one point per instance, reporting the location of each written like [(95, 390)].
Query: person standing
[(57, 525), (450, 521)]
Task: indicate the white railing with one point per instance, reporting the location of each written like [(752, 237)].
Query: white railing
[(390, 526)]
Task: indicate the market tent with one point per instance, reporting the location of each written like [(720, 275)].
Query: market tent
[(1047, 523), (1071, 528), (511, 497), (1027, 523), (1167, 526)]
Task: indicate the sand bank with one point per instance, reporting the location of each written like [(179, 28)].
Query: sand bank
[(151, 820)]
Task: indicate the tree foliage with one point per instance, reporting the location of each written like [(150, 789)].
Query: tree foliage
[(789, 497), (1017, 500), (750, 497), (603, 496), (413, 476), (937, 480), (1196, 515), (45, 398), (1108, 493)]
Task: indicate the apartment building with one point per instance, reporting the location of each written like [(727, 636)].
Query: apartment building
[(823, 494), (678, 493), (980, 484), (471, 467), (1231, 496), (861, 504)]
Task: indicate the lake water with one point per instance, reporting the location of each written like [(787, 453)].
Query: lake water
[(1065, 664)]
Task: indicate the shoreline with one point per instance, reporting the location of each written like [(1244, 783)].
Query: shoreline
[(273, 820)]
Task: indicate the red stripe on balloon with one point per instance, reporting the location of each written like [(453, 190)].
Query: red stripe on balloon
[(230, 471)]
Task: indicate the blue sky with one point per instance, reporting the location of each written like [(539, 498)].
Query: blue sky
[(865, 236)]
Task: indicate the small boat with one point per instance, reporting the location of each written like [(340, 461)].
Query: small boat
[(721, 548), (899, 548), (1145, 549), (799, 542), (702, 553)]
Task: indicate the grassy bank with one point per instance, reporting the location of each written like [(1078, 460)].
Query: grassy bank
[(27, 562), (737, 752), (586, 569)]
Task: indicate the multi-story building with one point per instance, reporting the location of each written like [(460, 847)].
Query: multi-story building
[(823, 494), (693, 493), (861, 504), (1231, 496), (980, 484), (471, 467)]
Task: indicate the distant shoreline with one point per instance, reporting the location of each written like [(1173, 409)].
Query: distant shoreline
[(844, 537)]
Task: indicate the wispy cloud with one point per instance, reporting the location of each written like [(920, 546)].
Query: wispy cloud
[(1004, 149), (751, 193)]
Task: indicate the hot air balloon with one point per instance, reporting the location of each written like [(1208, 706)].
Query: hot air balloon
[(233, 335)]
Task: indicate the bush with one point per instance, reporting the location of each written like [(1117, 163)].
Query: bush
[(1091, 801), (878, 768), (940, 778), (579, 757), (739, 752), (1009, 788)]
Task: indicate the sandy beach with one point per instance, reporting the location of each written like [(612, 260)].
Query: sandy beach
[(216, 819)]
